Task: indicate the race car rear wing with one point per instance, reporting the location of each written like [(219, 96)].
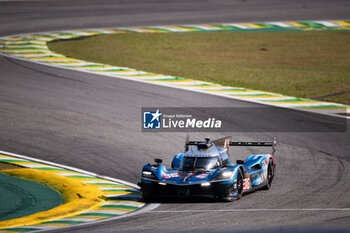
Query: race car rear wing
[(226, 142), (273, 144)]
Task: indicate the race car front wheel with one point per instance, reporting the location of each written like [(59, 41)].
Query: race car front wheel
[(235, 191), (239, 191)]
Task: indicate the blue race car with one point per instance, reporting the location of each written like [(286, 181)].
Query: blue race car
[(205, 169)]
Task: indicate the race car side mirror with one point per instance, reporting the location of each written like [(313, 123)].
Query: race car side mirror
[(158, 161)]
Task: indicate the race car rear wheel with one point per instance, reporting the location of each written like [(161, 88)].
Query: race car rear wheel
[(270, 174)]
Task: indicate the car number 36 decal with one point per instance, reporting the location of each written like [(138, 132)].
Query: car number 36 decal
[(246, 184)]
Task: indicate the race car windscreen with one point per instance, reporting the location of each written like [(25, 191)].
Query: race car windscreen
[(197, 163)]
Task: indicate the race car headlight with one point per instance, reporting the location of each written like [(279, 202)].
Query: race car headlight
[(148, 174), (226, 175)]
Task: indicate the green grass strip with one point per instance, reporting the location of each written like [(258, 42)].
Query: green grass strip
[(230, 89), (18, 229), (120, 207), (98, 215), (324, 106), (198, 85), (191, 29), (290, 62), (196, 29), (45, 35), (12, 160), (291, 100), (147, 74), (111, 70), (256, 95), (41, 57), (158, 29), (93, 31), (268, 25), (124, 198), (24, 43), (67, 34), (25, 48), (64, 222), (36, 53), (89, 66), (59, 62), (51, 169), (166, 79), (71, 36), (312, 24), (126, 31), (225, 27)]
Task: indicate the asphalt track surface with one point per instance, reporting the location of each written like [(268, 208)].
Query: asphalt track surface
[(93, 122)]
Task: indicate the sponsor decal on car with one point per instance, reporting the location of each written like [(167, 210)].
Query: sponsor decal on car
[(202, 176), (171, 175)]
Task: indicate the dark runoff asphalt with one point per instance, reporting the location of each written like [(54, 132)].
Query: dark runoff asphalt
[(94, 122), (25, 197)]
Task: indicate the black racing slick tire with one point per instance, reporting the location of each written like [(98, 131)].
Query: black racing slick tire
[(231, 193), (270, 174), (239, 184)]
